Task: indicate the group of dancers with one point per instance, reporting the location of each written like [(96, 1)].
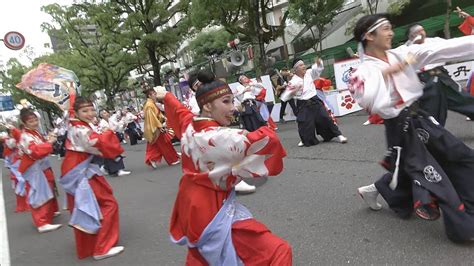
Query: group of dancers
[(429, 168)]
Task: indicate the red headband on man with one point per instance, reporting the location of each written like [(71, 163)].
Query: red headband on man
[(213, 94)]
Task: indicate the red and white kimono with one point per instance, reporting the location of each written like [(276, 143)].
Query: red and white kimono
[(214, 159), (34, 151), (81, 143), (12, 162)]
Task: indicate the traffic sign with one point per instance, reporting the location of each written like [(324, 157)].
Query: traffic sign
[(14, 40)]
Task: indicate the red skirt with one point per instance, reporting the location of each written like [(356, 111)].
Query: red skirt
[(271, 124), (21, 201), (254, 244), (107, 237), (44, 214), (162, 147)]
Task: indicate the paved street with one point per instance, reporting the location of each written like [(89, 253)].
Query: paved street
[(312, 204)]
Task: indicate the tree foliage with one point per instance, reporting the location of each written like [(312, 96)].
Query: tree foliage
[(95, 46), (207, 43), (395, 8), (318, 13), (243, 18), (155, 29)]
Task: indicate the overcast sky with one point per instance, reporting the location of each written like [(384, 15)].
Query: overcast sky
[(25, 16)]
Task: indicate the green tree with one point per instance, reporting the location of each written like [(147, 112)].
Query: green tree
[(206, 43), (149, 31), (245, 18), (96, 46), (318, 13), (395, 8)]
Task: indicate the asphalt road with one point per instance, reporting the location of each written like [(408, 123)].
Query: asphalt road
[(312, 204)]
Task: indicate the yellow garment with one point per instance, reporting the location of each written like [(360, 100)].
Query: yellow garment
[(153, 121)]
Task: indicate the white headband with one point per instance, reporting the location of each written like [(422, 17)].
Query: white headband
[(299, 62), (378, 23)]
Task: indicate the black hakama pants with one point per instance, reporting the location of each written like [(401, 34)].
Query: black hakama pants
[(134, 133), (111, 165), (283, 107), (313, 118), (435, 168), (250, 116), (441, 94)]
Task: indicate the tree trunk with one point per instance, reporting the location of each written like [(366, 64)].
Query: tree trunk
[(155, 64), (256, 36), (285, 46), (110, 101), (447, 33), (320, 39), (315, 40)]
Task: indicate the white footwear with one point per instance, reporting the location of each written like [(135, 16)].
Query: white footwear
[(56, 214), (468, 119), (124, 141), (342, 139), (112, 252), (175, 163), (243, 187), (123, 172), (154, 164), (366, 123), (49, 227), (102, 169), (179, 154), (369, 194), (300, 144)]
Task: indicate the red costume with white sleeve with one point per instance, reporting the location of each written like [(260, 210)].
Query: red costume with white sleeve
[(33, 147), (11, 154), (214, 159), (81, 143)]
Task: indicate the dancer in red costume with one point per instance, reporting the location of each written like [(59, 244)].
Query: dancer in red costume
[(36, 170), (12, 162), (156, 134), (206, 217), (94, 209), (467, 27)]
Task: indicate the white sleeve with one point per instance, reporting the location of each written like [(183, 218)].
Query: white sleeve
[(113, 124), (316, 70), (441, 51), (240, 90), (369, 89)]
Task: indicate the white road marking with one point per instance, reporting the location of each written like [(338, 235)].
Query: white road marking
[(4, 248)]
